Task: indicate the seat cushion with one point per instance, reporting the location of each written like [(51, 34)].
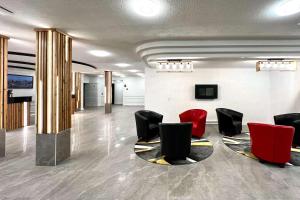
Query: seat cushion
[(237, 124), (195, 125), (153, 126)]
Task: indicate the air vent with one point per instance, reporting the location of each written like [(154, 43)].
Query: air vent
[(5, 11)]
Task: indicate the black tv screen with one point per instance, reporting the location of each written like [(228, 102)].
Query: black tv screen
[(19, 81), (206, 91)]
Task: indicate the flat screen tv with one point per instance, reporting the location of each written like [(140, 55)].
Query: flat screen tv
[(19, 81), (206, 91)]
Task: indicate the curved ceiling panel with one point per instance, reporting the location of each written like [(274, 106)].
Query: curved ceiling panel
[(21, 60), (152, 52)]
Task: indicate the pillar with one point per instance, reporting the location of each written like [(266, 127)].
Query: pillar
[(3, 92), (108, 91), (54, 94), (78, 91)]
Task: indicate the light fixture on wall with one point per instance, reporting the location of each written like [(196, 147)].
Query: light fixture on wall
[(276, 65), (175, 66)]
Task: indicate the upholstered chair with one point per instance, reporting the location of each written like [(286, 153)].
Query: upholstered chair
[(198, 118), (292, 119), (229, 121), (271, 143), (147, 124), (175, 140)]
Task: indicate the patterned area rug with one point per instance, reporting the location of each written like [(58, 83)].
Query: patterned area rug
[(241, 145), (150, 151)]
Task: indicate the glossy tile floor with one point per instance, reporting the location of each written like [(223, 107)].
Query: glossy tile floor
[(104, 166)]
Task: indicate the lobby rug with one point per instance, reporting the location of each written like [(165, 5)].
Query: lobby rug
[(150, 151), (241, 144)]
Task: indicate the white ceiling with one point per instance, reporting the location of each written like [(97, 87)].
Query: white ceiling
[(112, 26)]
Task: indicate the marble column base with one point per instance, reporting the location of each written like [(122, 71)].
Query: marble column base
[(52, 149), (108, 108), (2, 142)]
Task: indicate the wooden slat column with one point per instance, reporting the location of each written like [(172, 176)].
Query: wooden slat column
[(3, 91), (54, 82), (77, 91), (108, 91)]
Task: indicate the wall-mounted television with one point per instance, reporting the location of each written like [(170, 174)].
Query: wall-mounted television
[(206, 91), (20, 81)]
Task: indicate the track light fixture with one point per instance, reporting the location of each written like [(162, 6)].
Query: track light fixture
[(276, 65), (175, 66)]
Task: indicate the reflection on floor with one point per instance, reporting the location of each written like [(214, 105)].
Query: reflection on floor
[(104, 166)]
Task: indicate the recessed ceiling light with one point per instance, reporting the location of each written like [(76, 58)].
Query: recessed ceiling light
[(146, 8), (288, 7), (122, 65), (140, 74), (133, 70), (100, 53), (119, 74)]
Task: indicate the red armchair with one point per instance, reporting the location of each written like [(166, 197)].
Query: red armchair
[(198, 118), (271, 143)]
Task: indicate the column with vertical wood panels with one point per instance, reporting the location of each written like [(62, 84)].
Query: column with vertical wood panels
[(77, 90), (54, 82), (3, 91)]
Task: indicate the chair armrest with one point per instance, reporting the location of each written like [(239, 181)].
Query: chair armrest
[(155, 117), (237, 115), (226, 115), (142, 117), (184, 117), (296, 122), (142, 125)]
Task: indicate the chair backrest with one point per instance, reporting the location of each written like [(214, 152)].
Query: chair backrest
[(271, 142), (224, 117), (193, 114), (144, 113), (286, 119), (175, 138)]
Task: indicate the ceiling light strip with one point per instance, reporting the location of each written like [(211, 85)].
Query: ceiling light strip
[(276, 65), (175, 66)]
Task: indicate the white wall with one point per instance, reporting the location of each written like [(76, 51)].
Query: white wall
[(285, 93), (258, 95), (134, 93), (119, 89)]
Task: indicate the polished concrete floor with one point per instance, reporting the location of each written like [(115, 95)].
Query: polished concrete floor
[(104, 166)]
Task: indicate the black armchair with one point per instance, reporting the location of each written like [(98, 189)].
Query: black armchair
[(175, 140), (147, 124), (230, 121), (291, 119)]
